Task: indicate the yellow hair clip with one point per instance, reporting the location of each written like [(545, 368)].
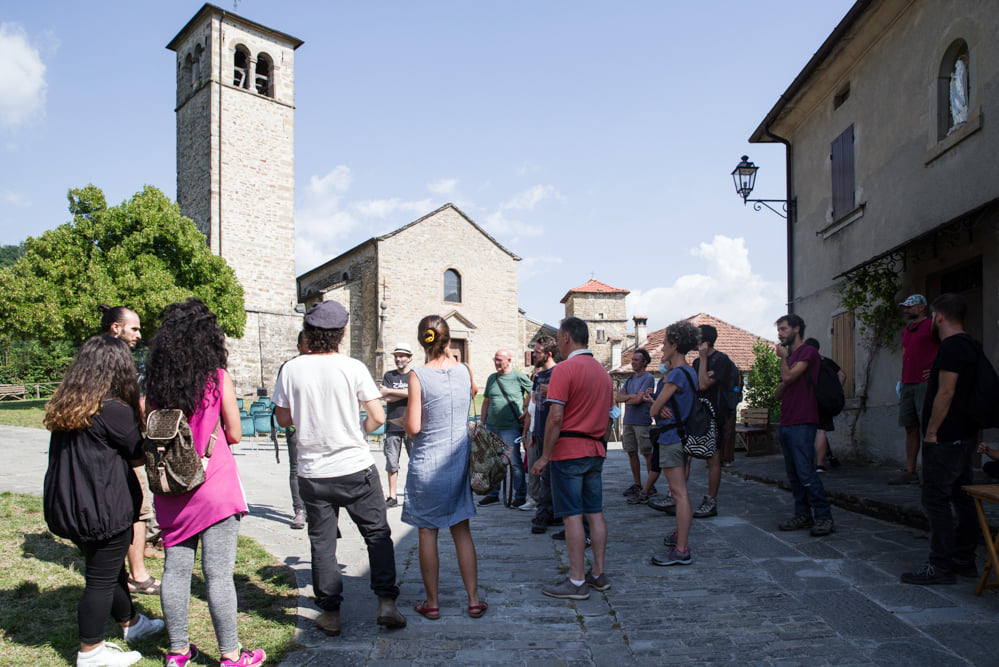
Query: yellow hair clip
[(429, 336)]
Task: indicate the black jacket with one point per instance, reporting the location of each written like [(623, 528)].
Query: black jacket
[(91, 493)]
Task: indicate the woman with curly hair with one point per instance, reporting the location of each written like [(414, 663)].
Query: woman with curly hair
[(186, 370), (90, 494), (438, 491), (680, 383)]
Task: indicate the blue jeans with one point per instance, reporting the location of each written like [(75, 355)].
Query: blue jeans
[(577, 486), (797, 442), (509, 437), (947, 468)]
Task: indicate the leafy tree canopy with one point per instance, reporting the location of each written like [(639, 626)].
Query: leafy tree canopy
[(10, 254), (142, 254), (763, 378)]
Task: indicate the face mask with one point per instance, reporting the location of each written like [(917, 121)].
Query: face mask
[(662, 368)]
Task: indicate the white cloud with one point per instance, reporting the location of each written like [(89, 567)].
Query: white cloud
[(445, 186), (383, 208), (728, 289), (14, 198), (529, 198), (498, 225), (22, 77), (531, 267)]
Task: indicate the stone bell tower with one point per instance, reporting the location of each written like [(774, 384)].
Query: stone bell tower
[(236, 173)]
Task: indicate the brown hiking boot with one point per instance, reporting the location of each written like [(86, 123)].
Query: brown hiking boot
[(388, 614), (329, 622)]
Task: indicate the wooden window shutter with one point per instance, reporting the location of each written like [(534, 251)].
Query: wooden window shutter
[(843, 349), (843, 174)]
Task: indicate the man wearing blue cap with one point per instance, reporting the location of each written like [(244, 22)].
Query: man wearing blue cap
[(918, 351)]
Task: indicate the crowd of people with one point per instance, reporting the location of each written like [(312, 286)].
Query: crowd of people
[(559, 418)]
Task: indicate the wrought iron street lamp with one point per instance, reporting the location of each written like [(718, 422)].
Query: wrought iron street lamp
[(744, 177)]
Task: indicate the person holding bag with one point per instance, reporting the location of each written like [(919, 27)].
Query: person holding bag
[(503, 405), (438, 492), (186, 370), (91, 495)]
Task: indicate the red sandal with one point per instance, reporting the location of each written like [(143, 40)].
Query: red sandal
[(477, 610), (431, 613)]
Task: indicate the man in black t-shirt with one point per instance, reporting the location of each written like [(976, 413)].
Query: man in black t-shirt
[(949, 443), (716, 377), (395, 391)]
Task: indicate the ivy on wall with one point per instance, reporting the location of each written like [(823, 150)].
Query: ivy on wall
[(870, 294)]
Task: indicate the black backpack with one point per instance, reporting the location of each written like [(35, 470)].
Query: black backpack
[(829, 393), (983, 406)]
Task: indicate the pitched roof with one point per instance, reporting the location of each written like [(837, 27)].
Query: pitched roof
[(734, 341), (594, 287)]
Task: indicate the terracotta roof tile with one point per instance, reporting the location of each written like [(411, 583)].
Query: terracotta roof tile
[(595, 287), (734, 341)]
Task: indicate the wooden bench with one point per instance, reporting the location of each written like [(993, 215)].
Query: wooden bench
[(988, 493), (753, 431), (12, 391)]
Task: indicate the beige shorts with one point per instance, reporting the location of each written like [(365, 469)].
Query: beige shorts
[(672, 456), (635, 438), (146, 509)]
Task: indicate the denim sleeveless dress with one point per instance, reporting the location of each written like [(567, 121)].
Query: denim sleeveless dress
[(438, 491)]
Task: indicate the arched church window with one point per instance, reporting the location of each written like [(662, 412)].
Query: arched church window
[(188, 68), (452, 286), (264, 77), (241, 68), (199, 59)]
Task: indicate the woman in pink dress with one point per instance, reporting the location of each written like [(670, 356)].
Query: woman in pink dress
[(186, 370)]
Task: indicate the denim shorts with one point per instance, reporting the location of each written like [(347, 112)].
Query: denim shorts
[(577, 486)]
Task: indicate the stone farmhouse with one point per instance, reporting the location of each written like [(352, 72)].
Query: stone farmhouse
[(890, 164)]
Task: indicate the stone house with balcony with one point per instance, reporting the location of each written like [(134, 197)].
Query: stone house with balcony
[(890, 163)]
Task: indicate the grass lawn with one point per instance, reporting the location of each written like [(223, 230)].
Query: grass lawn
[(23, 413), (41, 580)]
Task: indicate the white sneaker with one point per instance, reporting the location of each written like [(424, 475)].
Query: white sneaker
[(529, 505), (107, 655), (145, 627)]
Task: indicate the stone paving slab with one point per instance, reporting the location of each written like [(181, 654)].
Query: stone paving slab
[(753, 596)]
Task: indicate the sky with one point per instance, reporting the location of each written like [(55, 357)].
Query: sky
[(591, 139)]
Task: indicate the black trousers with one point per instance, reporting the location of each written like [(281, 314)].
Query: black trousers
[(361, 495), (106, 591), (947, 468)]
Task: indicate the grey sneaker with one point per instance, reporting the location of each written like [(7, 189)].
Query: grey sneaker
[(673, 557), (663, 503), (797, 522), (566, 590), (144, 627), (709, 507), (823, 527), (670, 540), (601, 583)]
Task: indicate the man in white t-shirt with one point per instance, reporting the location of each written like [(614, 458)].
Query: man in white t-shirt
[(320, 394)]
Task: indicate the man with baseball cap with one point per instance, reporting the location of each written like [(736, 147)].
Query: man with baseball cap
[(918, 351), (395, 391), (319, 393)]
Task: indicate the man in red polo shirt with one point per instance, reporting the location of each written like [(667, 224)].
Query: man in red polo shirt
[(918, 351), (580, 394)]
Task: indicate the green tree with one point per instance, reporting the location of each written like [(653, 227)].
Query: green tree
[(763, 378), (142, 254), (10, 254)]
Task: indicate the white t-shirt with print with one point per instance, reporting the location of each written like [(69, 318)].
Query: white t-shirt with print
[(322, 391)]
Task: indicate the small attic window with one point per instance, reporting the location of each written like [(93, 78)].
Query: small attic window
[(841, 96)]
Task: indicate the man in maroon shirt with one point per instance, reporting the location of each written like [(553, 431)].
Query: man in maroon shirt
[(799, 419), (918, 352)]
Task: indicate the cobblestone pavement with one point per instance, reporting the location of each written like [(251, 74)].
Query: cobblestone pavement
[(753, 595)]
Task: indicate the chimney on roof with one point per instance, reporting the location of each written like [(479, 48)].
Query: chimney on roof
[(641, 330)]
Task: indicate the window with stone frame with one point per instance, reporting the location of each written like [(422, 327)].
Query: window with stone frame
[(452, 286), (264, 77), (241, 67)]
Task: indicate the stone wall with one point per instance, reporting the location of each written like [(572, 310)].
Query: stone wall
[(606, 317)]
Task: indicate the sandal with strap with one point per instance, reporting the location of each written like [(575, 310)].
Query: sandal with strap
[(431, 613), (477, 610), (148, 587)]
